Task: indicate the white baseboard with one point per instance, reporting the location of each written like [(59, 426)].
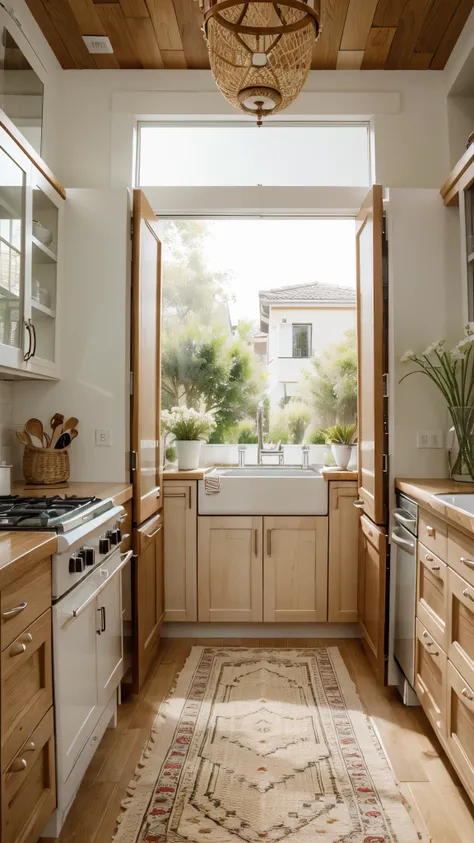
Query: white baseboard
[(260, 630)]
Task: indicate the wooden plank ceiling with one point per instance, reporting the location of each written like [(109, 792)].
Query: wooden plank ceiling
[(156, 34)]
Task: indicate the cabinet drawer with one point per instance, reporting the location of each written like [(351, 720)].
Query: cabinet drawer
[(461, 625), (433, 533), (371, 532), (430, 677), (460, 725), (461, 554), (26, 680), (24, 600), (28, 786), (432, 594)]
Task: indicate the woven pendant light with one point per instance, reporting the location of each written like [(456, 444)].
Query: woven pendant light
[(260, 51)]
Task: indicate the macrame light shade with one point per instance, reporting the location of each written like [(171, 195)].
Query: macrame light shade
[(260, 52)]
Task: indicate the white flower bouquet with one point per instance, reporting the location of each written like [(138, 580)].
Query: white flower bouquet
[(452, 371), (189, 428)]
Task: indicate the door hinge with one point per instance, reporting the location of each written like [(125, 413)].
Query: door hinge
[(133, 461), (131, 383), (132, 227), (385, 384)]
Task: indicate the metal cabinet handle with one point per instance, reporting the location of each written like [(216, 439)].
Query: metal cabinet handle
[(466, 694), (12, 613), (431, 531), (467, 562), (33, 328), (269, 542), (27, 354), (359, 503), (152, 535), (17, 649), (18, 765), (429, 644), (469, 594), (103, 624)]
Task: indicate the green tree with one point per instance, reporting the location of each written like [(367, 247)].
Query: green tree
[(216, 372), (330, 386)]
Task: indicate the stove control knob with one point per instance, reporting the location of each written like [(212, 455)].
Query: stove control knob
[(72, 563), (79, 564), (88, 555), (104, 544), (115, 536)]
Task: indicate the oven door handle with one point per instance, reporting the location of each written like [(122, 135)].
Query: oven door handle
[(401, 517), (410, 547), (125, 559)]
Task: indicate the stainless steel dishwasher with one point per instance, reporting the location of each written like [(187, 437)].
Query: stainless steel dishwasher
[(404, 536)]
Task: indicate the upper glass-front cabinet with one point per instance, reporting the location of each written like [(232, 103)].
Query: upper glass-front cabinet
[(30, 220), (458, 189)]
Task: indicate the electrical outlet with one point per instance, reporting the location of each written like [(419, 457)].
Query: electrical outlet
[(103, 437), (429, 439)]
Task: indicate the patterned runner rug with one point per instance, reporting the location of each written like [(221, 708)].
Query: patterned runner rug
[(264, 745)]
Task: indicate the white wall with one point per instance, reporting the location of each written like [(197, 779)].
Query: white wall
[(95, 339), (425, 305), (98, 108)]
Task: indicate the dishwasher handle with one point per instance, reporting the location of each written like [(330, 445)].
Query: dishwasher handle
[(402, 516), (405, 544)]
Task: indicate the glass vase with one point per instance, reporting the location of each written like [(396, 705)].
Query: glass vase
[(461, 450)]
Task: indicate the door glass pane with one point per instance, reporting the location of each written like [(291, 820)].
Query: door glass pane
[(12, 222), (44, 273), (21, 91)]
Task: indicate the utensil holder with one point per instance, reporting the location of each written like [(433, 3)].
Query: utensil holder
[(46, 467)]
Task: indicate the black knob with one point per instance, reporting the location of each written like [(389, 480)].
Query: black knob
[(72, 564), (104, 544), (115, 536), (88, 555), (80, 565)]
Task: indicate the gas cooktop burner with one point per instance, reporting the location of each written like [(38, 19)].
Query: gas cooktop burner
[(49, 513)]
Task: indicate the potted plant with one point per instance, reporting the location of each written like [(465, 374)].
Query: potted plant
[(189, 428), (452, 371), (341, 439)]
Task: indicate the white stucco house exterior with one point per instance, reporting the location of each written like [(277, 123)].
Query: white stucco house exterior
[(299, 321)]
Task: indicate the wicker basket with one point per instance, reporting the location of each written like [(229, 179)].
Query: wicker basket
[(45, 467)]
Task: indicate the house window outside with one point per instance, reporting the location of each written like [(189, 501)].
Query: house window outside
[(301, 340)]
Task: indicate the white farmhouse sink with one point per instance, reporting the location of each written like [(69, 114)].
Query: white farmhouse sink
[(265, 490), (464, 501)]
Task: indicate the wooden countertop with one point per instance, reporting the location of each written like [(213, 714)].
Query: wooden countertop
[(424, 491), (120, 492), (16, 546), (192, 474), (335, 474)]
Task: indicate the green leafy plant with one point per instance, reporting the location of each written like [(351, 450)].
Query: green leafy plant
[(246, 432), (171, 453), (317, 437), (330, 386), (186, 424), (341, 434)]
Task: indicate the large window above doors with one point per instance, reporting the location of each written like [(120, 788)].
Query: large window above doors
[(240, 154)]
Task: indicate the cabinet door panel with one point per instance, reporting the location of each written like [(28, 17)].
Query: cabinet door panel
[(460, 726), (148, 596), (432, 594), (372, 593), (343, 562), (295, 569), (180, 549), (461, 625), (24, 600), (230, 568), (109, 639), (146, 360), (430, 677)]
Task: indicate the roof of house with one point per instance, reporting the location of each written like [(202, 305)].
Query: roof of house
[(312, 292)]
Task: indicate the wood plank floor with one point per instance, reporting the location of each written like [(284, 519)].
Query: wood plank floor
[(440, 807)]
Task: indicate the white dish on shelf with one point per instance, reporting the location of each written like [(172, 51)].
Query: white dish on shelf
[(44, 235)]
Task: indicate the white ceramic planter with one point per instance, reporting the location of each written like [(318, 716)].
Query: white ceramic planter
[(342, 455), (188, 454), (353, 460)]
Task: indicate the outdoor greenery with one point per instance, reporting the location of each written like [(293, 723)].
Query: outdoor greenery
[(186, 424), (289, 424), (330, 387)]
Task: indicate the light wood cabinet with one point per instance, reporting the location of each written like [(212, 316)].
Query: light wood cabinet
[(432, 594), (433, 533), (295, 569), (343, 553), (460, 726), (230, 568), (148, 591), (29, 786), (372, 593), (461, 626), (180, 550), (430, 677)]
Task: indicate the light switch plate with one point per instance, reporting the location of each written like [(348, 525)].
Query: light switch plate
[(429, 439), (103, 437)]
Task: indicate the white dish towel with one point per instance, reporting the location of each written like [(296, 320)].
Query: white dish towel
[(212, 484)]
